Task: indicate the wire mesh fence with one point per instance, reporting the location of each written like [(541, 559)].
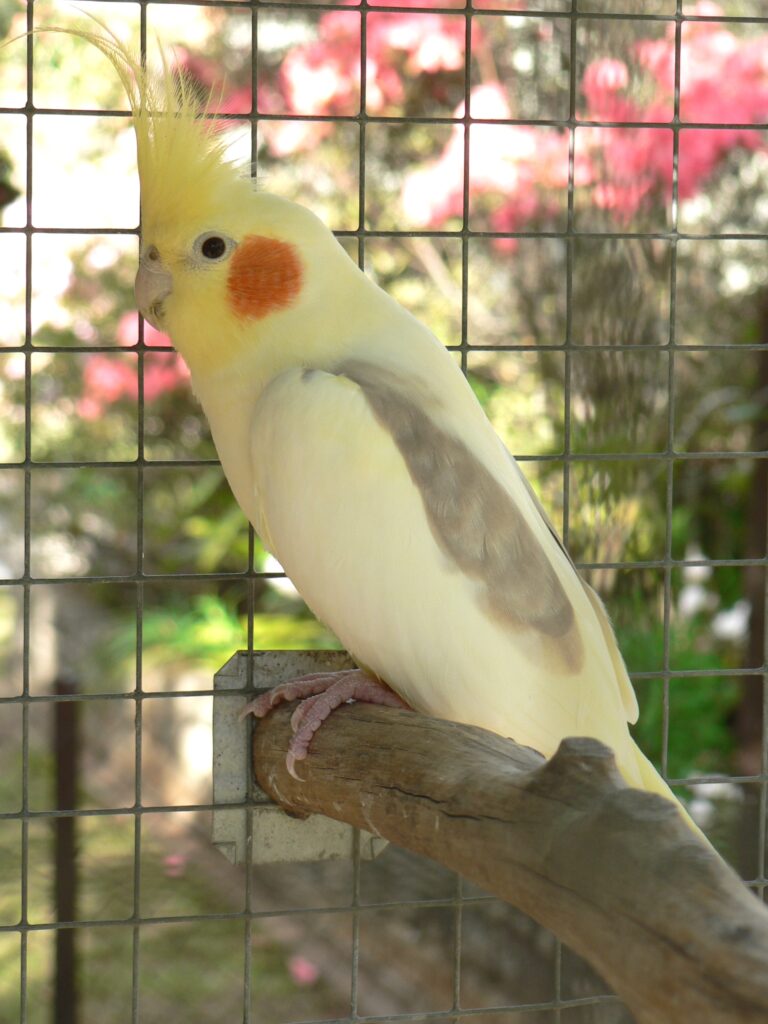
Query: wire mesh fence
[(572, 195)]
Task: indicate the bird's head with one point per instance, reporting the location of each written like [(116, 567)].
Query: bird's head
[(220, 277), (223, 267)]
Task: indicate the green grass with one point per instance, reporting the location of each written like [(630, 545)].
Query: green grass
[(188, 970)]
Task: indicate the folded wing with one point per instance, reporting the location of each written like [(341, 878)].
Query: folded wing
[(422, 548)]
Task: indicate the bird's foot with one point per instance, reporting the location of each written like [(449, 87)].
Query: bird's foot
[(320, 694)]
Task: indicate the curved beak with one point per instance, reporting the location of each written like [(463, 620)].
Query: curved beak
[(152, 286)]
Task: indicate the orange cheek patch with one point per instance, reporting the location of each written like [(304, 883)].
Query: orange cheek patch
[(264, 276)]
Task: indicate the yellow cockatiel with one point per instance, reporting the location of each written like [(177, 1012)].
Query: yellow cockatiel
[(357, 449)]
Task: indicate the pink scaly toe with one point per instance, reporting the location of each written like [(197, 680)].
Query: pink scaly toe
[(322, 693), (347, 686), (296, 689)]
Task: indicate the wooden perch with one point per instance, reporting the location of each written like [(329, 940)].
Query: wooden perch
[(613, 871)]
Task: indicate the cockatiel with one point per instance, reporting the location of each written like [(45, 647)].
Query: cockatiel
[(359, 452)]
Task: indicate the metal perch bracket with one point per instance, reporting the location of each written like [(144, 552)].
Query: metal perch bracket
[(253, 819)]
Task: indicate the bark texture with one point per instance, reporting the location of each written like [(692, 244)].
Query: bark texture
[(611, 870)]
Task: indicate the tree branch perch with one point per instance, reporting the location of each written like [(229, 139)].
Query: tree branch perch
[(612, 871)]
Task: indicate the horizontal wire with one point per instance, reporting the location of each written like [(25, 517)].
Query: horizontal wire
[(239, 915), (573, 346), (459, 234), (459, 11), (438, 120), (132, 811), (754, 672), (246, 574), (557, 456)]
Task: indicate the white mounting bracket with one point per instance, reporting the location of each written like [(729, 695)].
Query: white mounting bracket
[(274, 836)]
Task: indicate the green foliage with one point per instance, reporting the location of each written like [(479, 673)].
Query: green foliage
[(7, 10), (483, 388), (699, 706), (207, 630)]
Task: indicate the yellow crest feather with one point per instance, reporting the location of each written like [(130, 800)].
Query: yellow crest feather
[(180, 151)]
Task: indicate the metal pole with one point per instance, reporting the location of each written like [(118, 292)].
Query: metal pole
[(65, 745)]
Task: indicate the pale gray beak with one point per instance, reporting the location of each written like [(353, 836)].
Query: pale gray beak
[(153, 284)]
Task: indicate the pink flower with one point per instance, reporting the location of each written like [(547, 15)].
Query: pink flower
[(163, 371), (432, 42), (89, 409), (702, 149), (384, 86), (658, 57), (629, 167), (175, 865), (518, 168), (303, 971), (107, 379), (604, 82), (208, 74), (519, 163), (723, 78), (239, 101), (412, 3), (704, 9), (323, 77), (606, 75), (128, 332), (509, 5)]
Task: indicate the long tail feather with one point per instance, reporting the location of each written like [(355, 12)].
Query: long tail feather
[(653, 782)]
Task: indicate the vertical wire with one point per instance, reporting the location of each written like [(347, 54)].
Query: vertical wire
[(569, 257), (669, 453), (251, 593), (138, 689), (568, 368), (469, 14), (361, 139), (354, 973), (247, 768), (354, 980), (24, 893), (557, 1015), (762, 835), (458, 919), (465, 225)]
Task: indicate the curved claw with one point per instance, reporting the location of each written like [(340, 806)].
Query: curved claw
[(322, 693), (296, 689)]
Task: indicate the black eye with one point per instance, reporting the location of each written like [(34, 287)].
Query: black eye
[(214, 247)]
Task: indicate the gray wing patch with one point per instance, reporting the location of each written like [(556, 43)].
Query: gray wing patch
[(473, 518), (628, 696)]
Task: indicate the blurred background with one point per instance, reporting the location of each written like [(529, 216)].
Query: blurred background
[(575, 202)]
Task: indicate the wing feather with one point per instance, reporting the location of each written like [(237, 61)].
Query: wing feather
[(354, 485)]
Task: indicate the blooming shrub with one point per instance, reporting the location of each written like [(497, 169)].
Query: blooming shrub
[(519, 173), (724, 80), (107, 379)]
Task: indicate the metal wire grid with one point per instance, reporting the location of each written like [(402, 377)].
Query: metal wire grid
[(355, 908)]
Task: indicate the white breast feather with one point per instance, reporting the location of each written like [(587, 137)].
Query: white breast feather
[(334, 500)]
